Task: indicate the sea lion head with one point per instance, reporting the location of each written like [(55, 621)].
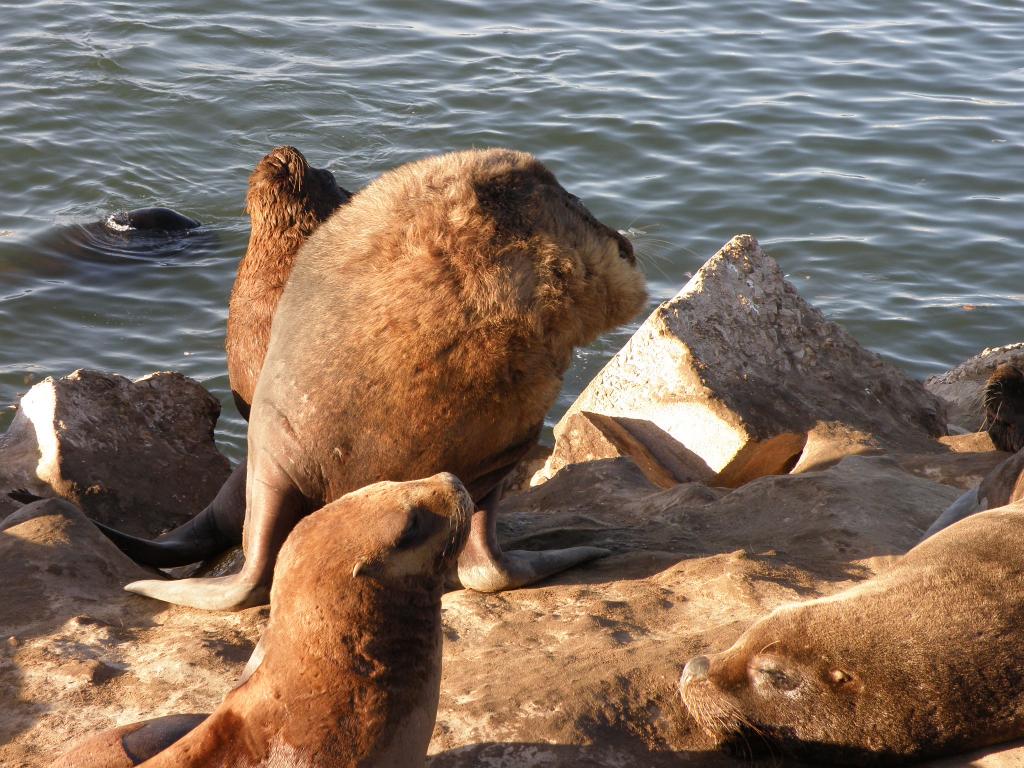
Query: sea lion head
[(920, 660), (397, 535), (286, 193), (491, 237), (582, 274), (1004, 407), (880, 673)]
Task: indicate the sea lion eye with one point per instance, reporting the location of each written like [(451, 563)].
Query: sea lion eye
[(416, 529), (777, 678)]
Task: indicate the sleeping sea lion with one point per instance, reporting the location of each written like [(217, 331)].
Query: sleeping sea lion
[(925, 659), (426, 327), (350, 673)]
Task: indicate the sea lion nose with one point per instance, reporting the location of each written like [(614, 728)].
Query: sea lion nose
[(696, 669)]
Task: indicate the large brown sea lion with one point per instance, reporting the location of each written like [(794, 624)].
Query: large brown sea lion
[(922, 660), (350, 672), (426, 327)]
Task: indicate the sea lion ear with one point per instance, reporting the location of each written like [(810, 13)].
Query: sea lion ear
[(843, 679)]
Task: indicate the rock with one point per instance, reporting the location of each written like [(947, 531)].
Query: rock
[(580, 671), (585, 436), (587, 664), (962, 387), (139, 456), (87, 654), (519, 478), (968, 460), (737, 371)]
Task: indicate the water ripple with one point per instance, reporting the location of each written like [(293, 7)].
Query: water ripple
[(875, 149)]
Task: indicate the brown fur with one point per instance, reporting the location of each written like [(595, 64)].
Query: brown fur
[(925, 659), (429, 322), (352, 661), (286, 201), (426, 327), (1004, 408)]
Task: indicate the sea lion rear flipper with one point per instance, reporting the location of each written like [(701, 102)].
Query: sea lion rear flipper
[(276, 506), (964, 506), (484, 567)]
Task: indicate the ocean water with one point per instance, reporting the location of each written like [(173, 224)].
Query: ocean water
[(875, 149)]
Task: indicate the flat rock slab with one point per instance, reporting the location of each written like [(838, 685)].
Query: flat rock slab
[(137, 455), (962, 387), (79, 654), (736, 372)]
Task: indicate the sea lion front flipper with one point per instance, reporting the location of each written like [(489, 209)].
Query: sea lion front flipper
[(484, 567), (965, 506), (275, 506)]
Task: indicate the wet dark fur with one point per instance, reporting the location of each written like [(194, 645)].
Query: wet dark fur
[(1004, 408)]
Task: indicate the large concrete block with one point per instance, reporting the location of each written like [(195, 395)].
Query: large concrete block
[(739, 372)]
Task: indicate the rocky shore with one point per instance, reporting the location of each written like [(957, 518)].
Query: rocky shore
[(740, 452)]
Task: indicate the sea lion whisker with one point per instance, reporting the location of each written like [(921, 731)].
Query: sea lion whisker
[(769, 645)]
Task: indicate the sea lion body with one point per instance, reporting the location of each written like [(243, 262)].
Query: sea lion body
[(925, 659), (351, 658), (426, 327)]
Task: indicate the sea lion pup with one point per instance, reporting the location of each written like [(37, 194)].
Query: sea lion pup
[(922, 660), (287, 199), (351, 667), (426, 327), (1004, 407)]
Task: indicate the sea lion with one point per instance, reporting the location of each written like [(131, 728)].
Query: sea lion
[(350, 673), (153, 220), (1004, 407), (287, 199), (426, 327), (1004, 421), (925, 659)]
